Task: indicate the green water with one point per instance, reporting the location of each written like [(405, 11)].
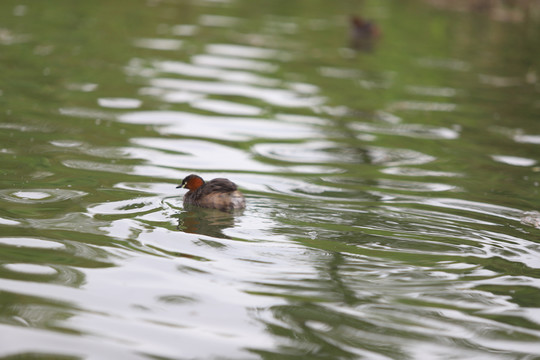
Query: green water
[(391, 193)]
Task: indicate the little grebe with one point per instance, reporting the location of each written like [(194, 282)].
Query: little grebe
[(218, 193), (363, 33)]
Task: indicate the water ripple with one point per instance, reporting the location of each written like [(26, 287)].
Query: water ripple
[(527, 139), (119, 103), (277, 97), (159, 44), (422, 106), (31, 243), (409, 171), (184, 30), (306, 152), (226, 107), (219, 20), (39, 196), (531, 218), (397, 157), (233, 63), (191, 70), (132, 206), (245, 51), (466, 205), (413, 185), (215, 127), (431, 91), (514, 160), (413, 130), (32, 269), (377, 226), (196, 154), (4, 221), (98, 166), (446, 64)]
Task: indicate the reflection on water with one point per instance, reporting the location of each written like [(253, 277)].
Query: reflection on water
[(209, 222), (218, 127), (392, 194)]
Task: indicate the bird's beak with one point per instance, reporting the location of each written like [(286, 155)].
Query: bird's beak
[(179, 186)]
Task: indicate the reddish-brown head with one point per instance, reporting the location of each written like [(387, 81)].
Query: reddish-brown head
[(191, 182)]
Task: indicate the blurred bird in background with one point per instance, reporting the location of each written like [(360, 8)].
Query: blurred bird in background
[(363, 34)]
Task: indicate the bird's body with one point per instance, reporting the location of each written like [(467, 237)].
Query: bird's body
[(362, 33), (218, 193)]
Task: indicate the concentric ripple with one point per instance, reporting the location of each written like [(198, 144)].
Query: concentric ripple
[(39, 196)]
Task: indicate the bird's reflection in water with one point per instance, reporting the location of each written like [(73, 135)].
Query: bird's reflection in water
[(211, 222)]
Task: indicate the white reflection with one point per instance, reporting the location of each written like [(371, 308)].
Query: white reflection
[(31, 243), (388, 117), (305, 152), (243, 51), (304, 88), (158, 44), (500, 81), (31, 269), (226, 107), (219, 127), (233, 63), (449, 64), (149, 188), (4, 221), (96, 166), (412, 130), (431, 90), (513, 160), (184, 30), (177, 67), (85, 113), (66, 143), (413, 185), (397, 157), (528, 139), (195, 154), (422, 105), (8, 37), (218, 20), (31, 195), (119, 103), (471, 206), (84, 87), (278, 97), (175, 97), (409, 171), (305, 119), (39, 196), (340, 73)]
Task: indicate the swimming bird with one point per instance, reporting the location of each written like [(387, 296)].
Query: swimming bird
[(218, 193), (362, 33)]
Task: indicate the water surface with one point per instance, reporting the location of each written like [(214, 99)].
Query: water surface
[(392, 193)]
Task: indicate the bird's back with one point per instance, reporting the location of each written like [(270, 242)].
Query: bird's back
[(219, 194)]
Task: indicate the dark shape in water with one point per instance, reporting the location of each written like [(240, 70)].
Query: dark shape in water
[(203, 221), (363, 34)]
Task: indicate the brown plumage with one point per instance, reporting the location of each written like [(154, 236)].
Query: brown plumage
[(218, 193), (363, 33)]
